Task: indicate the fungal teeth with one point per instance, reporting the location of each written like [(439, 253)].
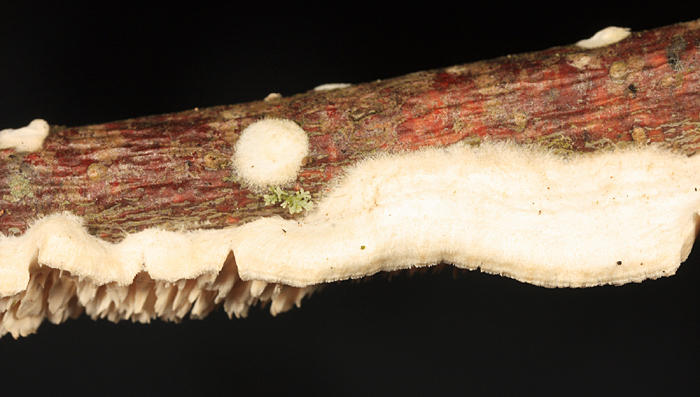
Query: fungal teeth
[(283, 300), (62, 290), (267, 293), (112, 315), (149, 304), (181, 311), (224, 287), (142, 318), (75, 309), (86, 291), (165, 293), (237, 301), (21, 326), (32, 302), (58, 316), (30, 307), (181, 305), (278, 288), (101, 301), (57, 296), (4, 305), (301, 293), (203, 305), (194, 293), (117, 293), (257, 287), (226, 279), (206, 280), (141, 291)]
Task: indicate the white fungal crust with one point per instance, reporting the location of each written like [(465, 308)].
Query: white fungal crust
[(589, 219), (605, 37), (331, 86), (270, 152), (592, 219), (56, 271), (25, 139)]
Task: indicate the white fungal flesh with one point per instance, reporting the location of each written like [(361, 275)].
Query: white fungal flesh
[(25, 139), (590, 219), (331, 86), (605, 37), (272, 96), (270, 152)]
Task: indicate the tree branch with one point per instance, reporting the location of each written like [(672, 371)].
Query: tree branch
[(174, 172)]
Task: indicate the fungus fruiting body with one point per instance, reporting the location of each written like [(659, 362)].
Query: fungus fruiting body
[(272, 96), (603, 205), (604, 37), (270, 152), (522, 212), (331, 86), (25, 139)]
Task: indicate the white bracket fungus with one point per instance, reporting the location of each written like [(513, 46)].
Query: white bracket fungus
[(270, 152), (605, 37), (25, 139)]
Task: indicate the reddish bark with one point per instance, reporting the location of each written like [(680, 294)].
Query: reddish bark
[(173, 170)]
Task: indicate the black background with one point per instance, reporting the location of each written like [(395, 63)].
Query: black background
[(429, 334)]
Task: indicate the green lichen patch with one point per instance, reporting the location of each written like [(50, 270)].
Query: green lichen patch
[(558, 143), (295, 202), (20, 187)]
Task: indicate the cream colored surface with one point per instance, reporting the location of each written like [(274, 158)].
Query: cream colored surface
[(605, 37), (57, 295), (25, 139), (272, 96), (269, 152), (331, 86), (605, 218)]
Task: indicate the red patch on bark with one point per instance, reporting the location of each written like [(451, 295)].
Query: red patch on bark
[(34, 159), (444, 80), (326, 145), (430, 126)]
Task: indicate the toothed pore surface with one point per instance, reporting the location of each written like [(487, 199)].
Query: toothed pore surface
[(57, 295)]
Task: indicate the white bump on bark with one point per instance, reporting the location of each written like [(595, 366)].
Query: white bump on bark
[(25, 139), (272, 96), (331, 86), (270, 152), (605, 37)]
